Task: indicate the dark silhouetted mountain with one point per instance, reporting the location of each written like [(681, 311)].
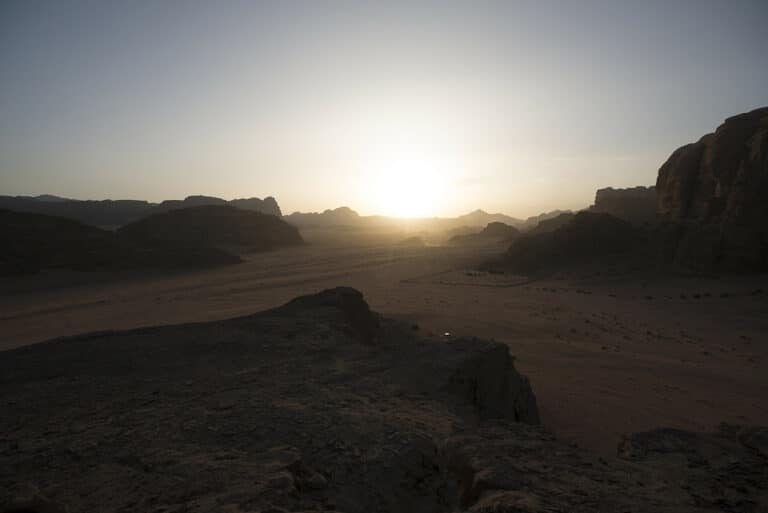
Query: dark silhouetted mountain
[(636, 204), (482, 218), (550, 224), (534, 221), (342, 216), (493, 232), (500, 231), (188, 202), (114, 213), (587, 238), (267, 205), (31, 242), (106, 213), (51, 198), (712, 195), (213, 225)]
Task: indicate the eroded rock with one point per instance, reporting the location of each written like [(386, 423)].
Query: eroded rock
[(714, 192)]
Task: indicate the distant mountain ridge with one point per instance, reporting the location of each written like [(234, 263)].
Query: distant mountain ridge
[(203, 236), (493, 232), (463, 224), (114, 213), (342, 216)]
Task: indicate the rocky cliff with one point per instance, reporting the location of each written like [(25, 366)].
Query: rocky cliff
[(636, 205), (712, 195)]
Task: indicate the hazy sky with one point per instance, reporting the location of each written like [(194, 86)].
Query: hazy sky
[(517, 107)]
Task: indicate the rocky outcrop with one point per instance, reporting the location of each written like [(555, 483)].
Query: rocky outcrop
[(513, 467), (585, 239), (266, 206), (724, 471), (712, 195), (636, 205), (316, 405), (535, 221), (213, 225)]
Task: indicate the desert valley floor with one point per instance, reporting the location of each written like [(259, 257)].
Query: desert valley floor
[(606, 355)]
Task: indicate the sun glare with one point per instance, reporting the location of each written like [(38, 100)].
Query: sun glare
[(407, 187)]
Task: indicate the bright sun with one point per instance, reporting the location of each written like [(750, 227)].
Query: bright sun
[(407, 187)]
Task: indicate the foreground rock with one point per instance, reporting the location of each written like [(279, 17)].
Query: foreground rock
[(319, 405), (712, 194)]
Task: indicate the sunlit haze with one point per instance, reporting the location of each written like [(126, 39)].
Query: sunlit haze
[(396, 108)]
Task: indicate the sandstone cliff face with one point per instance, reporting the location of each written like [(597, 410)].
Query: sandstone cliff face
[(713, 195)]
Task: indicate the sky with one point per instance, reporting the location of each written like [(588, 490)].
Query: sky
[(400, 108)]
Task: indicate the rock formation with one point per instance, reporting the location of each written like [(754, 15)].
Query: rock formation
[(175, 240), (550, 224), (316, 405), (493, 232), (266, 206), (322, 405), (32, 242), (636, 205), (342, 216), (712, 195), (213, 225), (482, 218), (585, 239), (534, 221)]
